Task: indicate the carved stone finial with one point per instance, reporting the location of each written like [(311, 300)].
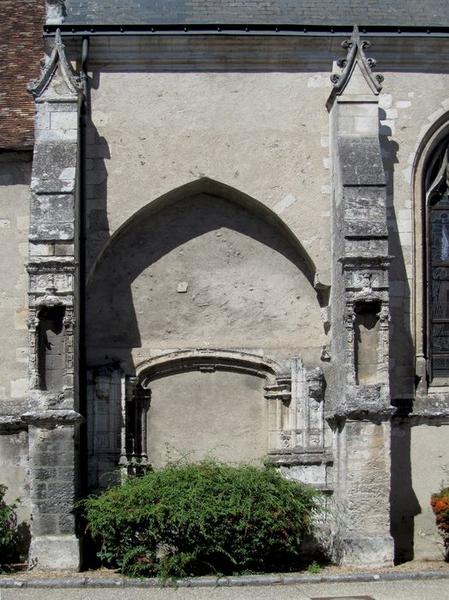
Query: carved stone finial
[(356, 56), (55, 12), (57, 61)]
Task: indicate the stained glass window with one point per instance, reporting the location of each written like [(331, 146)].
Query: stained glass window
[(438, 276)]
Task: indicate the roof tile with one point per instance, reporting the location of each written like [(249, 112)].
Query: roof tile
[(263, 12)]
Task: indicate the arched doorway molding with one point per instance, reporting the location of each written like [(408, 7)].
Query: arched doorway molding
[(425, 155), (294, 394), (208, 359), (277, 391)]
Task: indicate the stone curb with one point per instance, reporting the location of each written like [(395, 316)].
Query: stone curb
[(248, 580)]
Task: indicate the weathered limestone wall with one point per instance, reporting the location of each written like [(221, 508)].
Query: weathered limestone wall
[(409, 104), (202, 272), (13, 469), (264, 134), (420, 461), (364, 458), (15, 175), (212, 266), (201, 414), (430, 468)]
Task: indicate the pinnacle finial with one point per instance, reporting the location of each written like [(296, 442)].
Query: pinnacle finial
[(56, 61), (356, 55)]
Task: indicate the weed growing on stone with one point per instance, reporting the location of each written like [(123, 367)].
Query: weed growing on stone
[(314, 568)]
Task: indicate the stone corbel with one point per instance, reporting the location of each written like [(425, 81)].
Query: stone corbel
[(50, 298), (316, 383), (280, 390)]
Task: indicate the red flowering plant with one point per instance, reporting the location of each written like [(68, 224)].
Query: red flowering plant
[(440, 506)]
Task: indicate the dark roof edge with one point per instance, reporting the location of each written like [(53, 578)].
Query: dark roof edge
[(83, 30)]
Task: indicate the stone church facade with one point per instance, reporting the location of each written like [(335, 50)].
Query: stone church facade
[(232, 241)]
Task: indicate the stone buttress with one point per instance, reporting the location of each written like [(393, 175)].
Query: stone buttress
[(359, 402), (53, 418)]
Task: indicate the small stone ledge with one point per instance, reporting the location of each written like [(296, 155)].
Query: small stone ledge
[(52, 417), (375, 413), (9, 423), (299, 457), (434, 405)]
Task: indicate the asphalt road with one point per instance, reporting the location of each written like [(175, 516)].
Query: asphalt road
[(383, 590)]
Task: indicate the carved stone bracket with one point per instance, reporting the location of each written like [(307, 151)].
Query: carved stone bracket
[(280, 390)]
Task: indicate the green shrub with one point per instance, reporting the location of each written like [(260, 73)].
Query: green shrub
[(202, 518), (8, 530), (440, 506)]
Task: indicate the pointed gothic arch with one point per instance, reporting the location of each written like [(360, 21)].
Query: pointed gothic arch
[(256, 251), (215, 188), (431, 273)]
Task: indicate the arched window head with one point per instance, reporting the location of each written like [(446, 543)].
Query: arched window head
[(437, 202)]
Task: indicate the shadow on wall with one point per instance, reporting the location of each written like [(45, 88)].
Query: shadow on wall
[(97, 152), (196, 269), (15, 168), (404, 505), (203, 267)]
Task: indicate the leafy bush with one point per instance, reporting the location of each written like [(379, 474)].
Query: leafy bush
[(440, 506), (202, 518), (8, 530)]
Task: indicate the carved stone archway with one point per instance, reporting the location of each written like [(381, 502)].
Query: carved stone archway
[(294, 395)]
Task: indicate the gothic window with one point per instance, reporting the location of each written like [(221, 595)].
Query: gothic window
[(437, 197)]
